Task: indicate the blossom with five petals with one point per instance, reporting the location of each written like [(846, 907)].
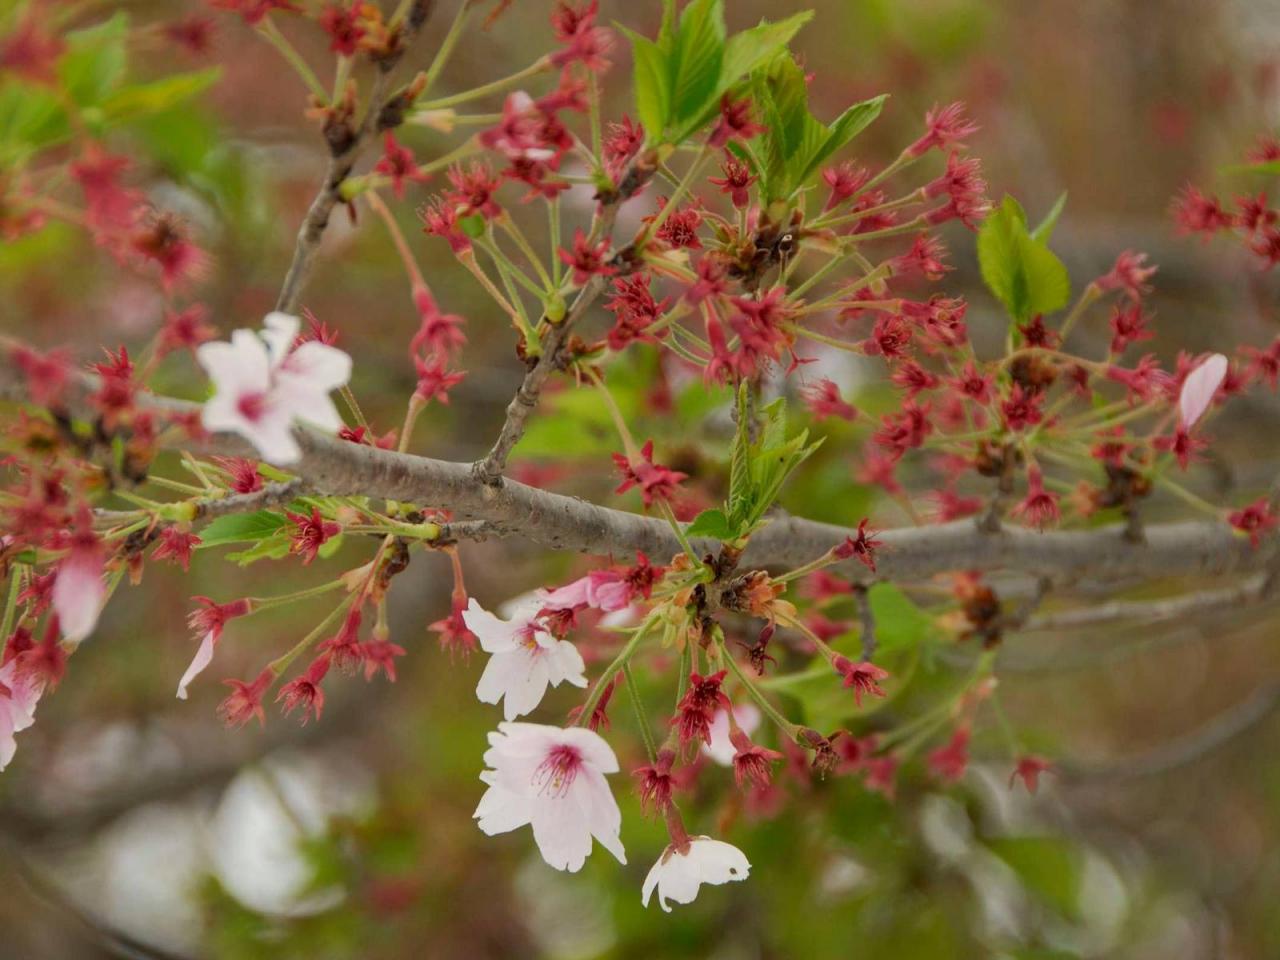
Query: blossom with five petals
[(264, 383), (552, 780), (525, 658)]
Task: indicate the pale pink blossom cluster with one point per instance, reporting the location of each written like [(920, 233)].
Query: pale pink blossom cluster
[(553, 779)]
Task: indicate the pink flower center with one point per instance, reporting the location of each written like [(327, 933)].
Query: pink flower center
[(555, 775), (252, 405), (528, 638)]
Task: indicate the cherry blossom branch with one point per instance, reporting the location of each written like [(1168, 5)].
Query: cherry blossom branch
[(271, 495), (489, 469), (345, 152), (334, 467)]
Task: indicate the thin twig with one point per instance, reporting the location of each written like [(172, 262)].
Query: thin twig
[(345, 153), (489, 469), (1152, 611)]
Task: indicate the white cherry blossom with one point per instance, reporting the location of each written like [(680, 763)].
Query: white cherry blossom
[(263, 385), (551, 779), (524, 658), (678, 875)]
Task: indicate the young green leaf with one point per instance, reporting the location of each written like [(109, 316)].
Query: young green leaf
[(242, 528), (796, 143), (714, 524), (746, 51), (681, 77), (739, 504), (1045, 230), (842, 130), (694, 65), (1020, 271), (94, 63), (144, 99), (652, 84)]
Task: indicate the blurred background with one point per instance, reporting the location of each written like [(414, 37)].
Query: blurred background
[(132, 824)]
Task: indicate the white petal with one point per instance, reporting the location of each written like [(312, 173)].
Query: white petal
[(563, 839), (600, 811), (318, 410), (595, 750), (716, 862), (24, 694), (721, 749), (564, 662), (8, 745), (501, 811), (495, 635), (202, 659), (241, 366), (567, 597), (279, 331), (1199, 388), (319, 365), (272, 436), (526, 684)]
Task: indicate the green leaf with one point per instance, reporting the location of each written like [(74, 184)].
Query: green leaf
[(1020, 271), (94, 63), (272, 548), (473, 226), (899, 622), (714, 524), (694, 65), (1045, 230), (31, 118), (652, 84), (1051, 868), (746, 51), (845, 127), (331, 546), (144, 99), (680, 78), (797, 143), (242, 528)]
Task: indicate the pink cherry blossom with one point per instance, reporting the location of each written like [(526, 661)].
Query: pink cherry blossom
[(78, 589), (19, 693), (1199, 389), (525, 658), (552, 780)]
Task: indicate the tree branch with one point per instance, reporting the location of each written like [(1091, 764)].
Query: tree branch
[(330, 466), (345, 151), (489, 469)]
